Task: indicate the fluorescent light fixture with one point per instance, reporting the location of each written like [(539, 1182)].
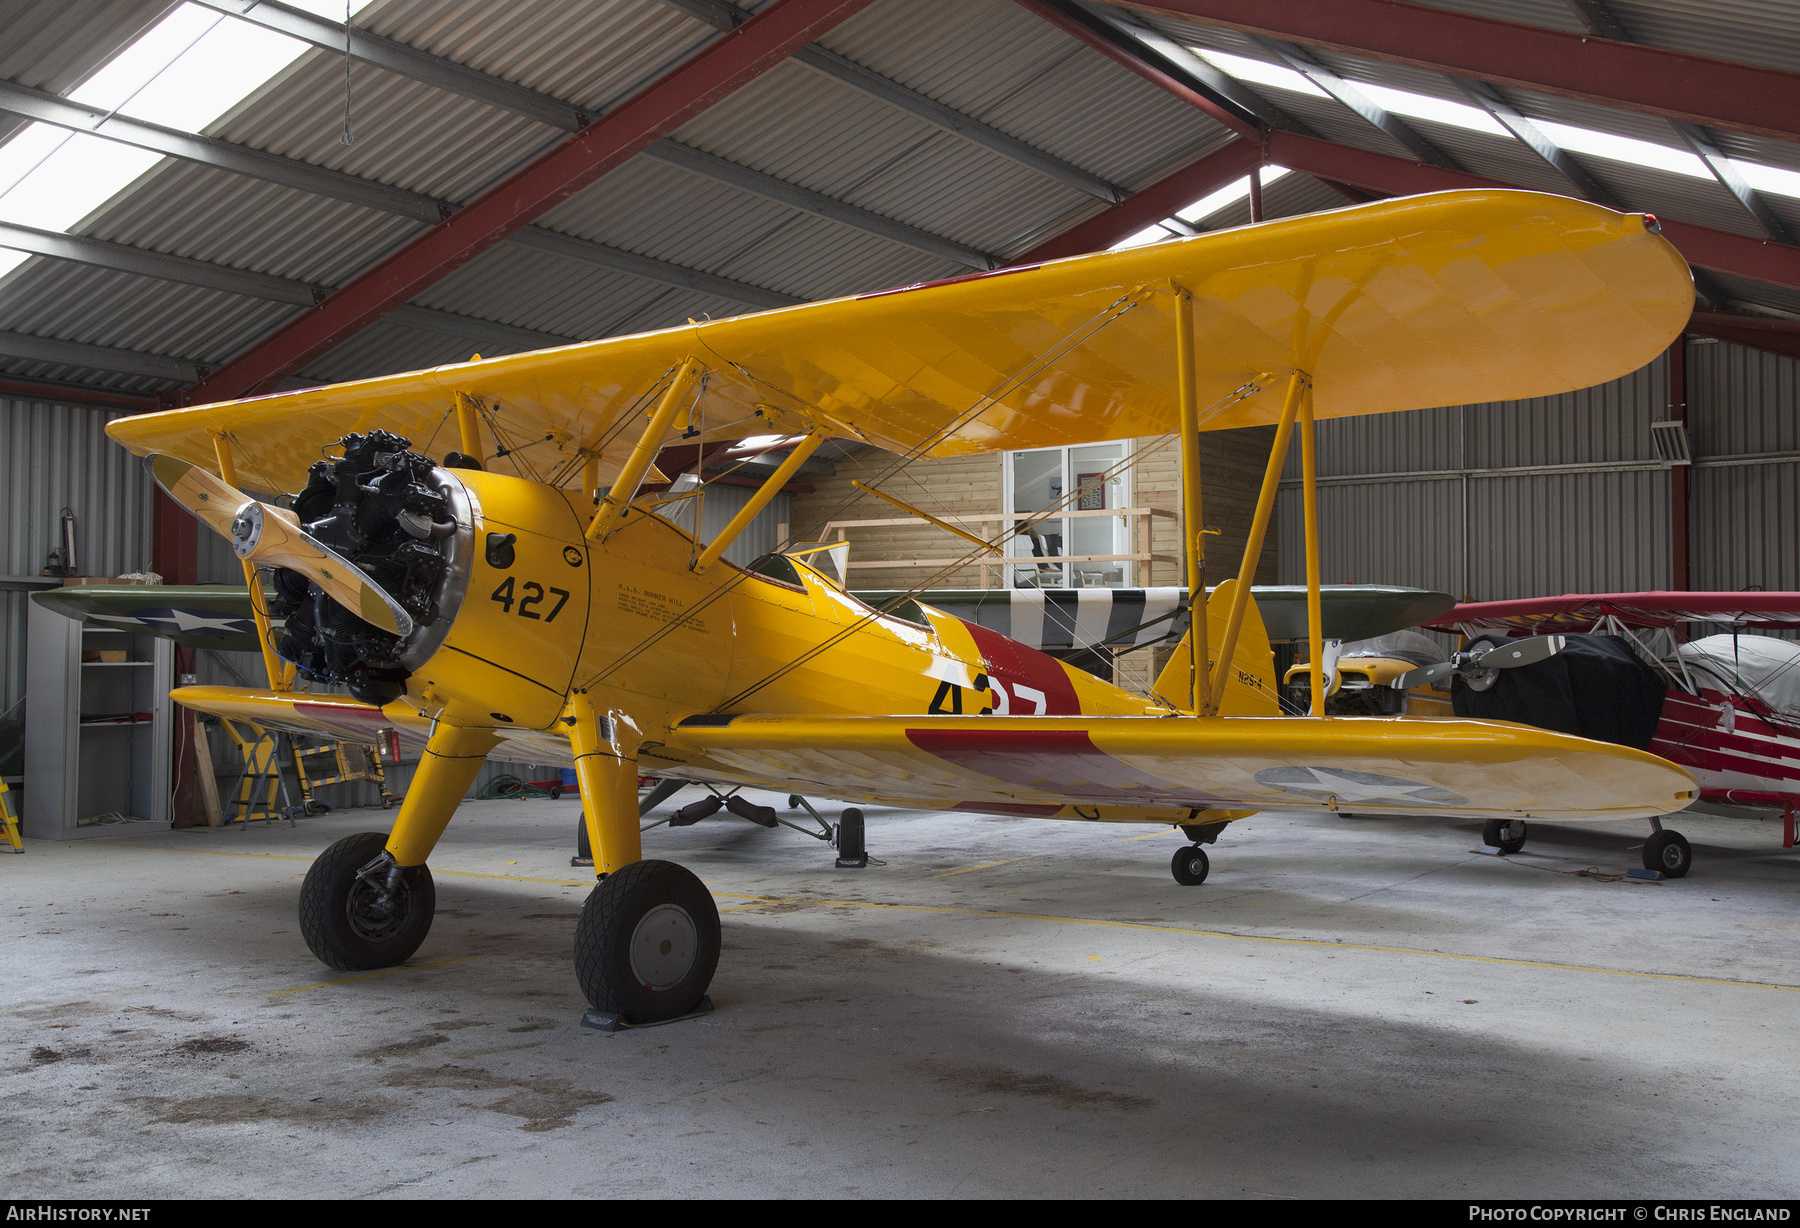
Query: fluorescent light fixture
[(1625, 149), (184, 72)]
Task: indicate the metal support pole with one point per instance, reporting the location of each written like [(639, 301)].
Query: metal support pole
[(796, 458), (468, 425), (1680, 578), (279, 672), (1315, 606), (1259, 526), (1192, 520), (1256, 210), (612, 508)]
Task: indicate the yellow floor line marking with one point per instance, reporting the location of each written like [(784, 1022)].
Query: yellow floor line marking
[(1096, 959), (986, 865), (1297, 942), (363, 976), (1150, 835)]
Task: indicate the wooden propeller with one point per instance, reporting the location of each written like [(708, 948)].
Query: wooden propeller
[(270, 536)]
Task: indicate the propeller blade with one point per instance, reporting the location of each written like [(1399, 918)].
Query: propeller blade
[(212, 500), (270, 536), (1424, 674), (1515, 653)]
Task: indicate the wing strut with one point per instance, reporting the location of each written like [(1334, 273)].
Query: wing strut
[(1315, 606), (624, 487), (281, 673), (775, 481), (1193, 523), (1299, 385)]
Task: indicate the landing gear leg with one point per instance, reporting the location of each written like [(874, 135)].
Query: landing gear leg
[(648, 939), (1507, 835), (368, 900)]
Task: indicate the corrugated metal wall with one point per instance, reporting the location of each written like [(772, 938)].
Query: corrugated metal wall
[(52, 457), (1446, 498), (1746, 516), (58, 456), (1489, 526)]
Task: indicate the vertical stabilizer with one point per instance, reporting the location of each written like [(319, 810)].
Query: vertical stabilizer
[(1250, 688)]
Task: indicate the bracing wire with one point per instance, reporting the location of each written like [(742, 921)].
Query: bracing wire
[(1005, 535), (1081, 333)]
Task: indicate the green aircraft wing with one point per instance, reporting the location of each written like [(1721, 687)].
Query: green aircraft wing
[(195, 616)]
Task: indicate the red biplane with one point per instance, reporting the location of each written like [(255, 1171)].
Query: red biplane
[(1730, 712)]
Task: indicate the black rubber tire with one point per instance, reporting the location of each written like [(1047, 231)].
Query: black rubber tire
[(582, 849), (1507, 835), (793, 801), (1668, 851), (555, 793), (352, 943), (610, 922), (1189, 865), (852, 840)]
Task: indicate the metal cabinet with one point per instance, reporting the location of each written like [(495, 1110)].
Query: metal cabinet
[(83, 764)]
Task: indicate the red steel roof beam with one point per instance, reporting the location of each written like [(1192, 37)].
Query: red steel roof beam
[(1143, 68), (1629, 76), (654, 112)]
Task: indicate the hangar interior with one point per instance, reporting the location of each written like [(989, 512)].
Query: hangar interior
[(218, 199)]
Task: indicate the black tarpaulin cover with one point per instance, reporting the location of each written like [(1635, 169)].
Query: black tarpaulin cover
[(1594, 688)]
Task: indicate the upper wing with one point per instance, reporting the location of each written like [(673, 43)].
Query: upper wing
[(1432, 300), (1778, 611), (1469, 769)]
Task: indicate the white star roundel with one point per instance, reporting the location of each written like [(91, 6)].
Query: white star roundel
[(1350, 786)]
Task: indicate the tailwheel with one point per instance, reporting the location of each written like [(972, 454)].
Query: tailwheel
[(647, 943), (1507, 835), (1668, 851), (1189, 865), (359, 910)]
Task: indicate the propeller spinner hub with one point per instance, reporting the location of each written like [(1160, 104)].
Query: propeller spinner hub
[(246, 530)]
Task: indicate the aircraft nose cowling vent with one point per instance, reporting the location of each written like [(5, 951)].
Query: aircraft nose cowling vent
[(404, 523)]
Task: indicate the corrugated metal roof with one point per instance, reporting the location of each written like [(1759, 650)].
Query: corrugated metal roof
[(592, 53), (990, 59)]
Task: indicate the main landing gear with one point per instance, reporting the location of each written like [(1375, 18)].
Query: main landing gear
[(359, 910), (1666, 852), (1507, 835), (647, 943), (1190, 865)]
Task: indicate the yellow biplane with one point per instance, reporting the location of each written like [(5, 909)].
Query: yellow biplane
[(525, 598)]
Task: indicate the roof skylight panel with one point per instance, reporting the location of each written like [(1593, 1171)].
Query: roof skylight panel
[(1671, 159), (185, 72)]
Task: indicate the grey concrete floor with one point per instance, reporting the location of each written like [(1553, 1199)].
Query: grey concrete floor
[(1006, 1008)]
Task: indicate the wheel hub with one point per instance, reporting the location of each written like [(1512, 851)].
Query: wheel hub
[(663, 947), (375, 913)]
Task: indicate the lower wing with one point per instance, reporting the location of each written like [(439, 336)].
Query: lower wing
[(339, 716), (1039, 765)]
